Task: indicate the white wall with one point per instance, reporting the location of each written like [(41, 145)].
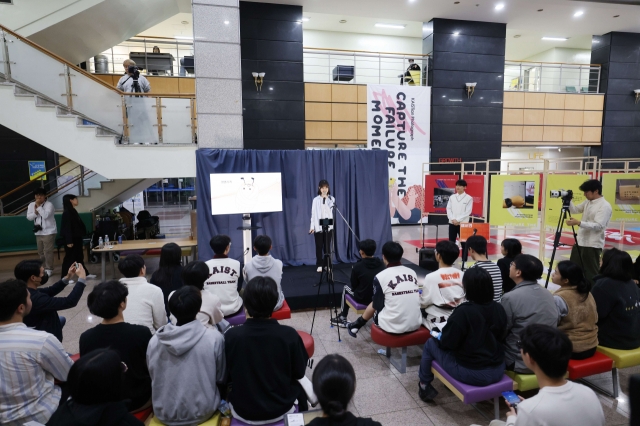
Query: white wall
[(531, 156), (563, 54), (357, 41)]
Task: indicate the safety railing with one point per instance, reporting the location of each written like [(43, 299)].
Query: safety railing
[(140, 118), (551, 77)]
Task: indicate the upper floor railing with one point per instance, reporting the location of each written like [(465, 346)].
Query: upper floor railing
[(551, 77)]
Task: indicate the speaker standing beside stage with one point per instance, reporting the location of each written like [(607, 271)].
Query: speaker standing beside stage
[(321, 209)]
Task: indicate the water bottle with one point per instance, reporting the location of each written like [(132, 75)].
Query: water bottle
[(100, 243), (119, 239), (106, 240)]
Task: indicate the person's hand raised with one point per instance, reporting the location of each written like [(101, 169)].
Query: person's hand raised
[(80, 272)]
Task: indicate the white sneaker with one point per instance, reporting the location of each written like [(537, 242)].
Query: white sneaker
[(48, 272), (91, 276), (319, 269)]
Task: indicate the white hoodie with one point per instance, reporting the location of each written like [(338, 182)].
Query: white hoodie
[(210, 312), (145, 304)]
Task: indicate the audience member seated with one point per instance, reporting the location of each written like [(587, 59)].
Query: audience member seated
[(265, 360), (30, 360), (546, 351), (195, 274), (510, 248), (45, 306), (396, 298), (108, 301), (169, 275), (477, 248), (224, 274), (442, 290), (334, 383), (618, 301), (469, 347), (636, 270), (145, 301), (577, 312), (361, 282), (186, 361), (96, 393), (264, 265), (528, 303)]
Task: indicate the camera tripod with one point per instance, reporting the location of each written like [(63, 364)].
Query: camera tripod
[(556, 241)]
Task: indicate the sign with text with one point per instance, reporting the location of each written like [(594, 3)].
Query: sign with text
[(553, 206), (622, 191), (438, 189), (470, 229), (37, 169)]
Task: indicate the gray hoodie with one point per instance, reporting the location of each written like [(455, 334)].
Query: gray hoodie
[(185, 363), (265, 266)]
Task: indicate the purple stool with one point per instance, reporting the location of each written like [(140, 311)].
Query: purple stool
[(358, 307), (236, 422), (472, 394), (237, 319)]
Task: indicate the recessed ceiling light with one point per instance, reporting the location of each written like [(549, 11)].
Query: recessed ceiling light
[(343, 21), (540, 10), (578, 13), (396, 26), (555, 38), (499, 6), (305, 19), (456, 33), (226, 22), (456, 2), (184, 22)]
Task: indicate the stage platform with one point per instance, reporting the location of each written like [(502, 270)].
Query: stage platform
[(297, 284)]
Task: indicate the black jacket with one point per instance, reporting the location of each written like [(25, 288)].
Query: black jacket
[(72, 227), (108, 414), (167, 284), (45, 307), (348, 420), (507, 283), (618, 305), (362, 275)]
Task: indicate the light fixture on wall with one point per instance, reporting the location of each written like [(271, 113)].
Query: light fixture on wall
[(258, 78), (471, 87), (637, 92)]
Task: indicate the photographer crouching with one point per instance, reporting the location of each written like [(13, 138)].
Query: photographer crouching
[(596, 214), (132, 81), (42, 213)]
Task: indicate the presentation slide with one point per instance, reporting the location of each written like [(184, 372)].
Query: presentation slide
[(238, 193)]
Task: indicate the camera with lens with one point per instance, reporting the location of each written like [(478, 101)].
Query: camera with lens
[(565, 194), (37, 228), (135, 71)]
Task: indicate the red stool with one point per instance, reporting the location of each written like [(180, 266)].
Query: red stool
[(283, 313), (598, 363), (153, 252), (381, 337), (75, 357), (143, 414), (308, 341)]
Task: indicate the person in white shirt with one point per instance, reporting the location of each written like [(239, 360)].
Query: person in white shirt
[(596, 214), (126, 81), (443, 290), (42, 213), (145, 304), (224, 275), (321, 208), (195, 274), (546, 351), (458, 209)]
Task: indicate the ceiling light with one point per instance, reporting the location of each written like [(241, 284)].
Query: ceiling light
[(578, 13), (555, 38), (540, 10), (499, 6), (396, 26), (183, 38), (305, 19), (456, 33), (226, 22), (343, 21), (616, 16), (456, 2)]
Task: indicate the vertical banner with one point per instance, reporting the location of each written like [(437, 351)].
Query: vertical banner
[(553, 206), (398, 120), (475, 188), (622, 191), (438, 189), (513, 200)]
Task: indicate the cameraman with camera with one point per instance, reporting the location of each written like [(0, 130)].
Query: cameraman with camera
[(596, 214), (132, 81), (42, 213)]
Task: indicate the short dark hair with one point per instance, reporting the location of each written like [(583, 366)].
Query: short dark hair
[(219, 243), (260, 297), (26, 269), (591, 185), (105, 298), (131, 265), (262, 243), (512, 246), (170, 255), (448, 251), (461, 182), (549, 347), (478, 243), (13, 293), (334, 383), (531, 267), (322, 184), (617, 265), (40, 191), (478, 285), (195, 274), (392, 251), (185, 303), (368, 247), (572, 272), (103, 366)]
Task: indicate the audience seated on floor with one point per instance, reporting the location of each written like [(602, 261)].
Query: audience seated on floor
[(618, 301), (477, 248), (510, 248), (546, 351), (361, 282), (96, 393), (577, 312), (396, 298), (334, 383), (469, 348), (264, 265), (108, 301), (195, 274), (224, 275), (265, 360), (169, 275), (528, 303), (45, 306), (30, 360), (145, 303), (186, 362), (442, 289)]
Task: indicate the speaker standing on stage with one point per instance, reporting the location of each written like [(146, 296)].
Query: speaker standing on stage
[(321, 209), (459, 209)]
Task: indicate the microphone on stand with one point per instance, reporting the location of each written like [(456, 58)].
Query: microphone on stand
[(323, 200)]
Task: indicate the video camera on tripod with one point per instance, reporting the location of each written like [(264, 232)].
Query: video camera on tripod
[(134, 72), (565, 194)]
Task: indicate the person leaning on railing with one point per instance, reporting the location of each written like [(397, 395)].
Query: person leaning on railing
[(126, 81)]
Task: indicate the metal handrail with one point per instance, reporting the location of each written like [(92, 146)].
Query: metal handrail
[(31, 181)]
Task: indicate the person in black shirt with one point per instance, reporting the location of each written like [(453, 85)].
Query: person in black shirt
[(469, 348), (362, 275), (509, 248), (73, 230), (265, 360), (169, 276), (108, 300)]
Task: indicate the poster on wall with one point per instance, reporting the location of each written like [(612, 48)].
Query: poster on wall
[(553, 206), (513, 200), (622, 191), (398, 120), (475, 188), (438, 189)]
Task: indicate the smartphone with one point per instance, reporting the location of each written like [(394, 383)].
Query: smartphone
[(436, 334), (511, 398), (77, 266)]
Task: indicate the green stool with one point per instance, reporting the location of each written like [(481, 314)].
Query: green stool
[(621, 359), (523, 382)]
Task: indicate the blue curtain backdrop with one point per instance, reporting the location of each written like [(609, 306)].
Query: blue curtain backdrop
[(357, 178)]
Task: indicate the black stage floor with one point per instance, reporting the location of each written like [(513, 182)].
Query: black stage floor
[(297, 284)]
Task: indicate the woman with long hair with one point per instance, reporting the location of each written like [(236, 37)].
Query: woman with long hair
[(73, 230), (321, 208), (577, 312), (509, 248), (168, 276)]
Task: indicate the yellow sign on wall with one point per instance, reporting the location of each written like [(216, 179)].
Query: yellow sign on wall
[(622, 191), (514, 200), (554, 205)]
